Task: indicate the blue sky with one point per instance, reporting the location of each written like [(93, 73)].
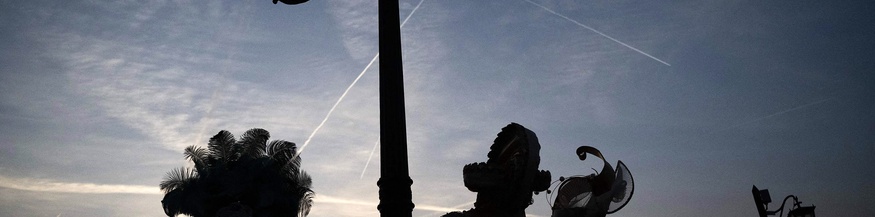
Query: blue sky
[(98, 99)]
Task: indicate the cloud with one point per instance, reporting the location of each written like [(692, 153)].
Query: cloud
[(325, 199), (358, 26), (46, 185), (179, 89)]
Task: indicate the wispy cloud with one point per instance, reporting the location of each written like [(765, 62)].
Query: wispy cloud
[(171, 92), (46, 185), (358, 21), (151, 87), (336, 200), (460, 207)]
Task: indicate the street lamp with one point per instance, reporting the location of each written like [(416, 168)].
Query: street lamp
[(395, 195), (762, 200)]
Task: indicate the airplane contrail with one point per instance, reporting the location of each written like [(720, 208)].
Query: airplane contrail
[(330, 111), (411, 13), (757, 119), (771, 115), (597, 32), (369, 158)]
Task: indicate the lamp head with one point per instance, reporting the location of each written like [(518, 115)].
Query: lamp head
[(807, 211), (290, 2), (764, 195)]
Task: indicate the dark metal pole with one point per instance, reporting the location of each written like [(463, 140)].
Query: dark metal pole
[(395, 195)]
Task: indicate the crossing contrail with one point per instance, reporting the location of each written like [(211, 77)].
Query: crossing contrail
[(330, 111), (369, 158), (597, 32)]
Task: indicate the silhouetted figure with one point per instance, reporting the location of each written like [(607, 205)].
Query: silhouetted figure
[(505, 183), (595, 195), (250, 177)]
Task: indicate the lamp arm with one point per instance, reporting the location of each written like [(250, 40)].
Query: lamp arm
[(782, 205)]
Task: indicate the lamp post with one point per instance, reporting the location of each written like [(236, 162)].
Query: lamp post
[(762, 200), (395, 195)]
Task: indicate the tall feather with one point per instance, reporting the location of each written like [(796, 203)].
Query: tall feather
[(304, 180), (305, 203), (198, 156), (178, 178), (254, 142), (281, 151), (222, 147), (283, 154)]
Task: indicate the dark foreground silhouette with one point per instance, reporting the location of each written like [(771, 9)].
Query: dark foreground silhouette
[(594, 195), (249, 177), (505, 183)]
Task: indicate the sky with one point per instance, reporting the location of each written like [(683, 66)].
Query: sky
[(700, 99)]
